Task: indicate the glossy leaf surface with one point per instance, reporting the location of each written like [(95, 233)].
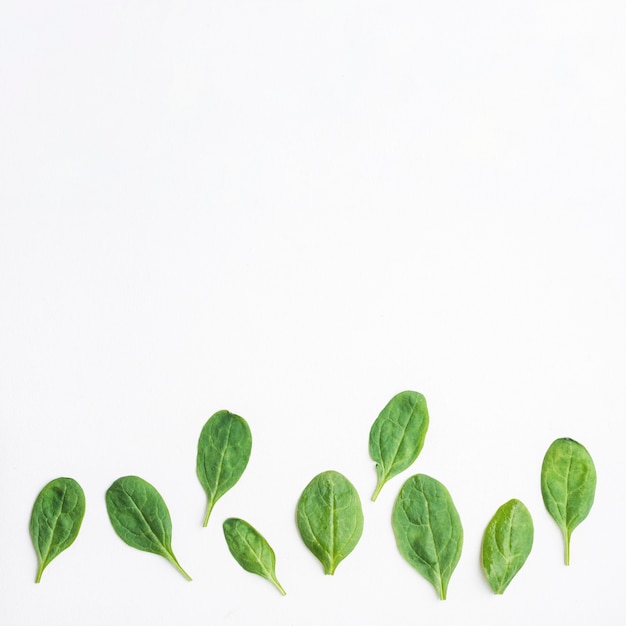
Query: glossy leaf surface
[(223, 453), (428, 530), (568, 485), (330, 518), (251, 550), (55, 520), (141, 518), (507, 542), (397, 435)]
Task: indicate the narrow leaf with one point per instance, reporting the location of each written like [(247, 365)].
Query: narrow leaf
[(397, 435), (141, 518), (428, 530), (251, 550), (568, 485), (55, 520), (507, 542), (330, 518), (223, 453)]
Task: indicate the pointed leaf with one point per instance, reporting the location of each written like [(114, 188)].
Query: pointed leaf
[(568, 485), (507, 542), (251, 550), (223, 453), (397, 435), (428, 530), (55, 520), (330, 518), (141, 518)]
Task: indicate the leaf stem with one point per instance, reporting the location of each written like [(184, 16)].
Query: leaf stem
[(172, 559), (209, 508), (39, 573), (568, 535), (278, 585), (379, 486)]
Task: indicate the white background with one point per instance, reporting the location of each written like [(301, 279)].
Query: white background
[(294, 210)]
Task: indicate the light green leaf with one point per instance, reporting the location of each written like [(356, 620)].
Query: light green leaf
[(507, 542), (223, 453), (428, 530), (330, 518), (251, 550), (141, 518), (397, 435), (55, 520), (568, 485)]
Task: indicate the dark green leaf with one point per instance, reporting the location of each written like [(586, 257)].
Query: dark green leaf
[(568, 485), (330, 518), (507, 542), (56, 518), (397, 436), (223, 453), (251, 550), (428, 530), (140, 517)]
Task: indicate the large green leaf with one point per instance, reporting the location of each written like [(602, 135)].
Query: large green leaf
[(141, 518), (223, 453), (568, 485), (397, 435), (507, 542), (330, 518), (55, 520), (428, 530)]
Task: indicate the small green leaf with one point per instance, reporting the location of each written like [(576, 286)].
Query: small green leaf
[(428, 530), (397, 435), (56, 518), (223, 453), (330, 518), (251, 550), (507, 542), (141, 518), (568, 485)]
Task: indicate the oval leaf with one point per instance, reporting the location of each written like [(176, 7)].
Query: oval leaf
[(507, 542), (568, 485), (428, 530), (330, 518), (251, 550), (223, 453), (141, 518), (55, 520), (397, 436)]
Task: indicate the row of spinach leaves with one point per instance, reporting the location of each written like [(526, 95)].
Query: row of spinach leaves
[(329, 515)]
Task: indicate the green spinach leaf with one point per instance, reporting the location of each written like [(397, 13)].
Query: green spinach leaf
[(223, 453), (330, 518), (251, 550), (428, 530), (141, 518), (55, 520), (397, 435), (507, 542), (568, 485)]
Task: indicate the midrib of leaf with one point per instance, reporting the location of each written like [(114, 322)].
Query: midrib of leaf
[(167, 549), (44, 556), (405, 427), (152, 534), (212, 499), (385, 475), (333, 528), (441, 590), (270, 574), (567, 531)]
